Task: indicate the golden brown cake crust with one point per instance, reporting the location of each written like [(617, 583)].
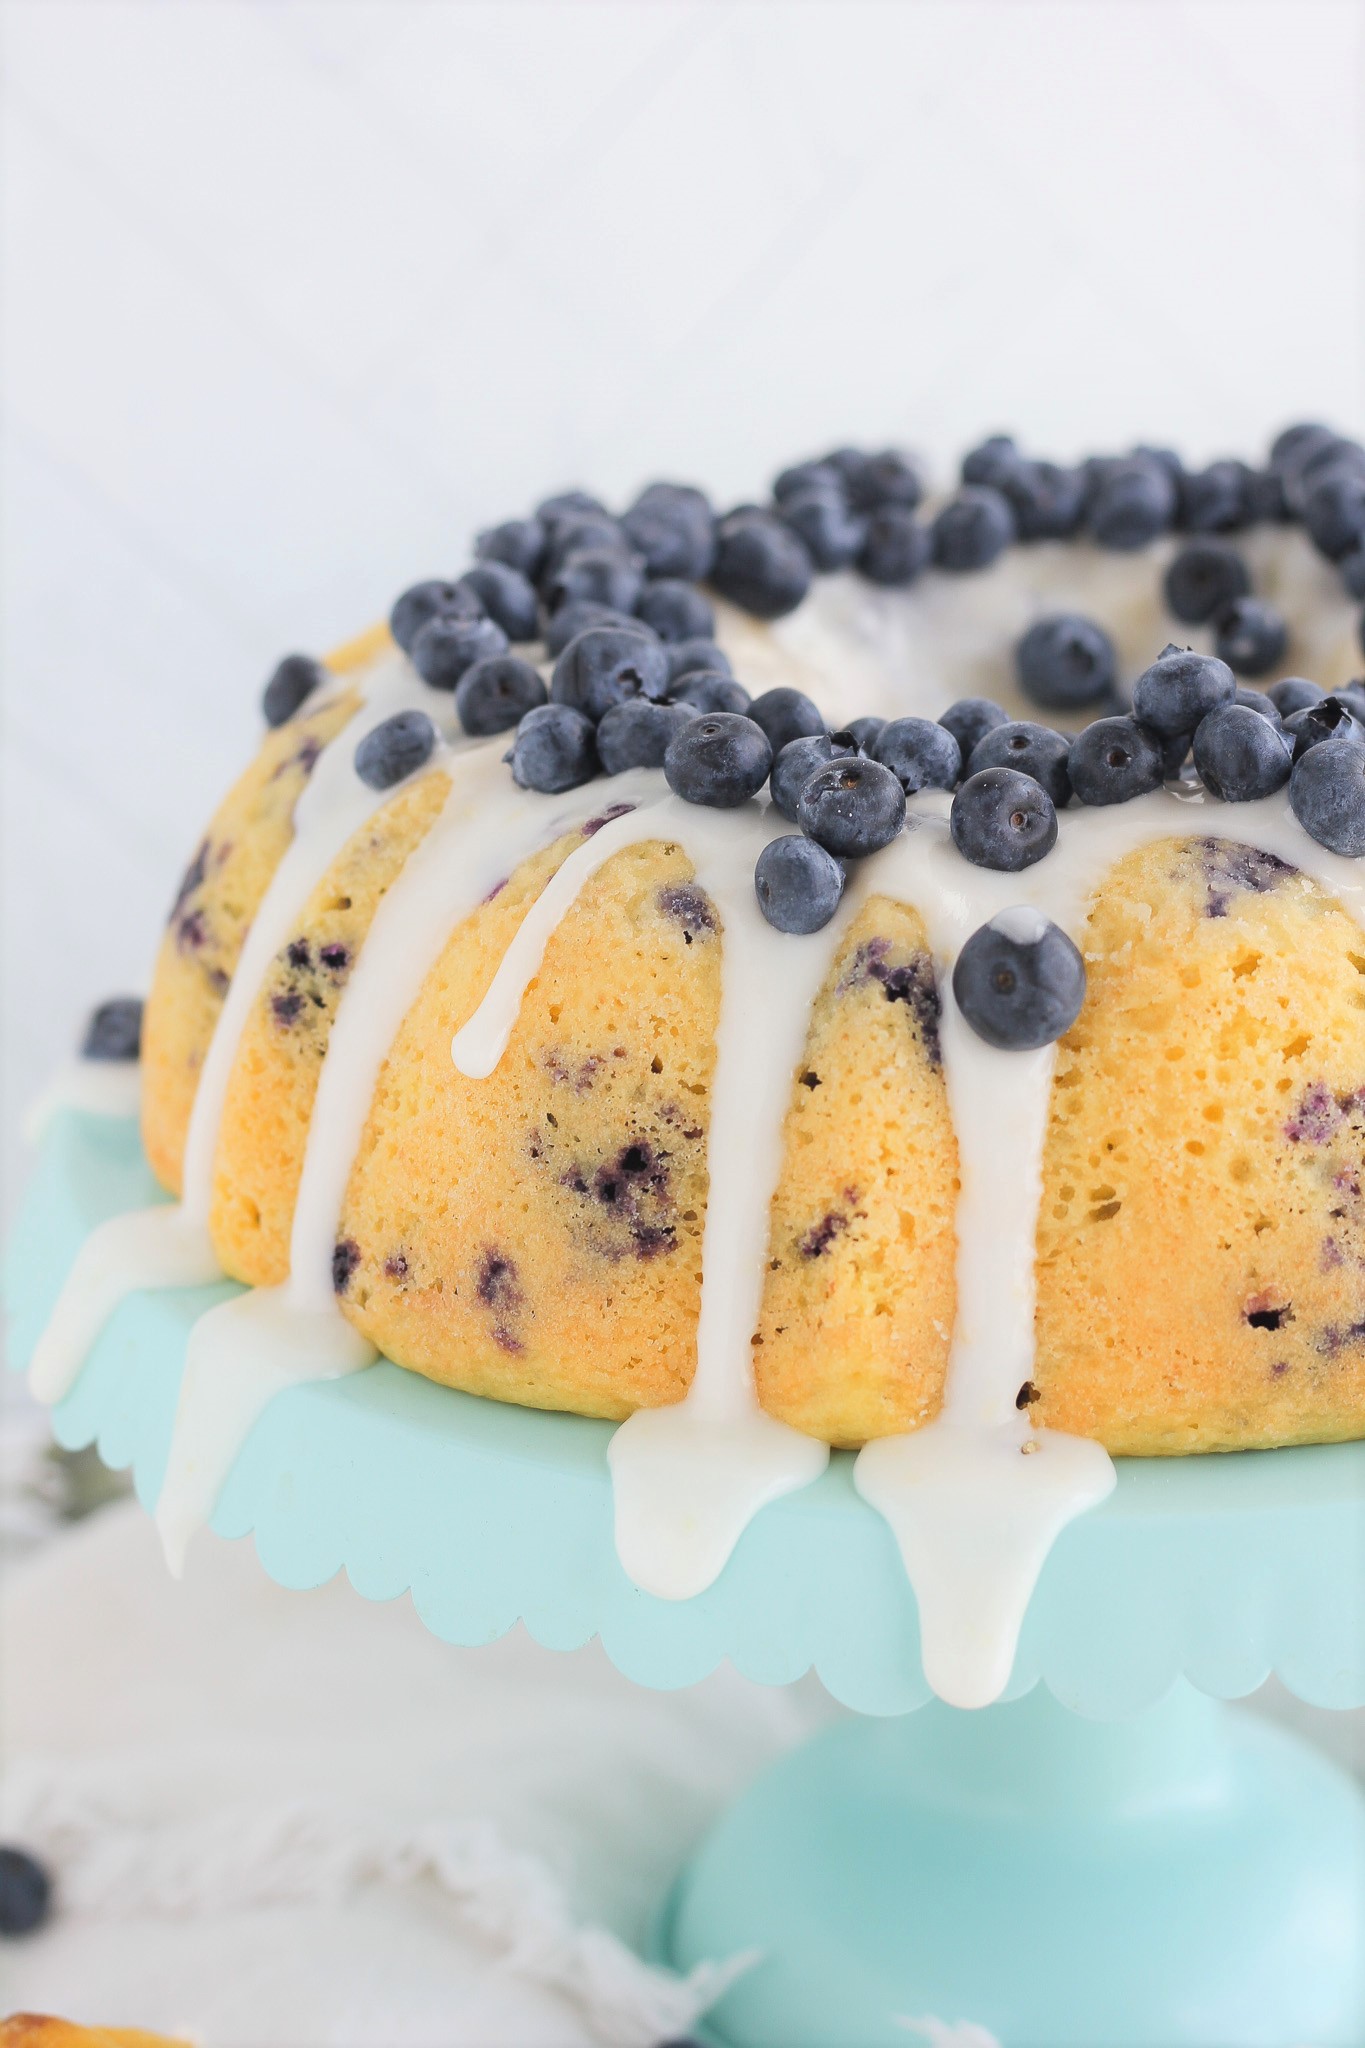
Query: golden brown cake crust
[(40, 2030)]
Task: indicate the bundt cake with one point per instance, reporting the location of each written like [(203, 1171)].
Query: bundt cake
[(818, 975), (40, 2030)]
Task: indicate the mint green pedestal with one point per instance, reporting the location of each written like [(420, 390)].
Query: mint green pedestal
[(1055, 1872)]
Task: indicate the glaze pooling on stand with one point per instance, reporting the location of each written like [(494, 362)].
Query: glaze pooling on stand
[(99, 1087)]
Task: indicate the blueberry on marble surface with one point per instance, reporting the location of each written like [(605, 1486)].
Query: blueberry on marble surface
[(606, 665), (292, 682), (684, 656), (1203, 578), (786, 714), (863, 732), (672, 528), (1294, 693), (1240, 755), (494, 695), (1114, 760), (798, 884), (396, 747), (1330, 718), (520, 543), (719, 759), (1251, 636), (1047, 500), (25, 1891), (598, 575), (574, 618), (675, 611), (895, 549), (508, 597), (795, 763), (1065, 661), (920, 754), (1034, 750), (972, 529), (1019, 981), (432, 599), (831, 532), (709, 690), (636, 733), (1004, 820), (449, 644), (970, 719), (1180, 688), (760, 564), (113, 1031), (555, 749), (852, 806), (1327, 796), (1132, 501)]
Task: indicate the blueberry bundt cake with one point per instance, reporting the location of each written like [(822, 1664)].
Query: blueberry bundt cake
[(817, 975)]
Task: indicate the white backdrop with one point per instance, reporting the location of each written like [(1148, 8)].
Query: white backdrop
[(297, 294)]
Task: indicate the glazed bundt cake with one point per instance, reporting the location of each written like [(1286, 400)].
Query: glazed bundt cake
[(800, 976)]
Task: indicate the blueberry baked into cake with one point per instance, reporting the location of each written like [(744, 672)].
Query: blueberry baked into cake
[(855, 969)]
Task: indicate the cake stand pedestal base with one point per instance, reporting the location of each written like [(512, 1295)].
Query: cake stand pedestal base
[(1191, 1878)]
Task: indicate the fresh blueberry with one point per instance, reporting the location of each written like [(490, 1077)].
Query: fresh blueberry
[(554, 750), (496, 694), (1175, 757), (709, 690), (675, 611), (1316, 463), (1239, 755), (431, 600), (581, 533), (1327, 796), (449, 644), (1351, 569), (569, 505), (1259, 702), (1114, 760), (1214, 500), (1329, 719), (1047, 500), (636, 733), (1251, 636), (845, 462), (1019, 981), (919, 753), (520, 543), (606, 665), (993, 461), (817, 475), (795, 763), (672, 528), (1293, 445), (970, 719), (797, 883), (972, 528), (1294, 693), (596, 576), (830, 531), (1352, 695), (1034, 750), (1265, 499), (575, 618), (786, 714), (1065, 661), (508, 597), (293, 680), (394, 748), (1133, 501), (1001, 819), (720, 759), (686, 655), (760, 564), (881, 480), (114, 1030), (863, 731), (1334, 510), (1203, 578), (1181, 688), (896, 549), (25, 1892), (851, 806)]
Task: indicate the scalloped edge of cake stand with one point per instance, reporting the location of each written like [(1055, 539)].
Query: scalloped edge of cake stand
[(1222, 1570)]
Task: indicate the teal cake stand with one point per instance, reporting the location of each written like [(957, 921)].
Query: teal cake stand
[(1107, 1859)]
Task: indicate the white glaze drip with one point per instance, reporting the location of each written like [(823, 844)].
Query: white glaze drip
[(98, 1087)]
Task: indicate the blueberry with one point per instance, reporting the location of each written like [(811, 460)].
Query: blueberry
[(896, 549), (508, 597), (709, 690), (596, 576), (1327, 796), (1047, 501), (760, 564), (863, 731), (797, 762), (1239, 755), (786, 714), (448, 644), (114, 1030), (554, 749), (686, 655), (830, 531), (1019, 981), (636, 733), (1334, 510), (818, 475), (1034, 750), (1352, 695), (494, 695), (520, 543), (877, 481), (851, 806), (1179, 689), (919, 753), (1315, 465), (1351, 569), (1293, 445), (675, 611), (1113, 760), (970, 719), (394, 748), (1214, 500), (1175, 757), (581, 533), (293, 680), (25, 1892), (1251, 636), (569, 505), (672, 528), (576, 617), (606, 665), (993, 461), (1001, 819), (1133, 501), (972, 528), (1294, 693), (1265, 499), (797, 883), (1259, 702), (720, 759), (1329, 719), (1204, 577), (1065, 661), (433, 599)]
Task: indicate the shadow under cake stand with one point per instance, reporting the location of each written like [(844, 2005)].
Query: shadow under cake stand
[(1106, 1859)]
